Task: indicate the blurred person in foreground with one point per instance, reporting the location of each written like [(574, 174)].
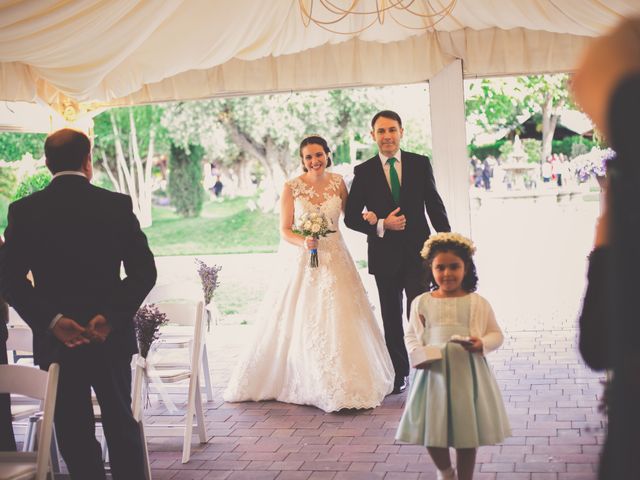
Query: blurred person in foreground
[(607, 87), (74, 237)]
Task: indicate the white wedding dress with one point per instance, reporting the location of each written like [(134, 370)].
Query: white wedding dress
[(316, 341)]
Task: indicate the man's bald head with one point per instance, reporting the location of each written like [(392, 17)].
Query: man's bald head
[(66, 149)]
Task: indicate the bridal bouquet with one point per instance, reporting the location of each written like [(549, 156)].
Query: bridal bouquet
[(316, 225)]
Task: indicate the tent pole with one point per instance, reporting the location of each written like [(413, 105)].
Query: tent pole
[(450, 161)]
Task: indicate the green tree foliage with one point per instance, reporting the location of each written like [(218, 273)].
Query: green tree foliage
[(268, 128), (531, 146), (8, 182), (569, 145), (126, 143), (494, 103), (13, 146), (32, 184), (490, 107), (185, 179), (147, 118), (483, 151)]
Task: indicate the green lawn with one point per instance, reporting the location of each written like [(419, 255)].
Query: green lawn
[(4, 206), (223, 227)]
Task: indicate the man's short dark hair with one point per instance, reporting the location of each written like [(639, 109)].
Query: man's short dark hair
[(386, 114), (66, 149)]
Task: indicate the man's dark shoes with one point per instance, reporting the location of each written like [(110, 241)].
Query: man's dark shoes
[(400, 385)]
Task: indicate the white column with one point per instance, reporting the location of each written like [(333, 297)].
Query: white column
[(450, 162)]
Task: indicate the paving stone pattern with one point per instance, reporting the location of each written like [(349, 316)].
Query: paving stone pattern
[(551, 398)]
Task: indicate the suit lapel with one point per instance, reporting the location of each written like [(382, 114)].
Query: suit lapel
[(406, 175)]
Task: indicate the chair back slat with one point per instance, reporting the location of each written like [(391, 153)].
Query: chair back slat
[(182, 312), (174, 292), (41, 385), (20, 338), (23, 380), (16, 319)]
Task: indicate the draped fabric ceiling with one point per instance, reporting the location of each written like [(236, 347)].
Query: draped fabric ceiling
[(138, 51)]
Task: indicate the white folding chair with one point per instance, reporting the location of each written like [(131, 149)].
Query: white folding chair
[(160, 374), (136, 407), (21, 339), (177, 336), (23, 345), (35, 383)]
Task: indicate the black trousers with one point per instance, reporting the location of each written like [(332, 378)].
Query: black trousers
[(411, 281), (81, 369), (7, 440)]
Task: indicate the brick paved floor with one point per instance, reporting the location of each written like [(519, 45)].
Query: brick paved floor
[(531, 268), (551, 401)]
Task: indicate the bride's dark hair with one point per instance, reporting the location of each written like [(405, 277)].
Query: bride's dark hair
[(315, 140)]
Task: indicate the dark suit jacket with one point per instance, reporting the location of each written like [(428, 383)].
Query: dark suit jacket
[(74, 237), (594, 330), (418, 192)]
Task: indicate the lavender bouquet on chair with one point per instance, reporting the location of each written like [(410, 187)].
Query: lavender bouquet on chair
[(147, 321), (209, 279), (316, 225)]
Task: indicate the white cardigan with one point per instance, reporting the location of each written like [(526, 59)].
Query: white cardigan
[(482, 324)]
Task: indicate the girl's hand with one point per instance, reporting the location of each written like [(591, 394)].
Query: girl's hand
[(310, 243), (422, 366), (370, 217), (475, 347)]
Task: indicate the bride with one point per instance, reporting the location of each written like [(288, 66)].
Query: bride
[(317, 341)]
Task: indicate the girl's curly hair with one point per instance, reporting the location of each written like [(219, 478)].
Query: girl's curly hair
[(470, 280)]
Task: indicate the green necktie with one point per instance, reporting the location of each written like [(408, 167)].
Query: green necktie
[(394, 180)]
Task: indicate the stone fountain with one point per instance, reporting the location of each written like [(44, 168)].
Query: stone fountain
[(517, 167)]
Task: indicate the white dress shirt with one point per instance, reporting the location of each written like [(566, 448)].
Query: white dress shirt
[(386, 166)]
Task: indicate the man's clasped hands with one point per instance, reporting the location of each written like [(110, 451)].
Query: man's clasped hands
[(72, 334)]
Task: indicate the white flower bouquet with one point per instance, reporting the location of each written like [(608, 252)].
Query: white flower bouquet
[(316, 225)]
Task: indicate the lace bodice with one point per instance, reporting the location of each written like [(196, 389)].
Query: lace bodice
[(308, 199)]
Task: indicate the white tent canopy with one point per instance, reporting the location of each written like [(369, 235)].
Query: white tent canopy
[(136, 51), (71, 53)]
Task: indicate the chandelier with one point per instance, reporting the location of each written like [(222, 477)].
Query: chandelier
[(412, 14)]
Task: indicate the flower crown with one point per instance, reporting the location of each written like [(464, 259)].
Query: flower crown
[(447, 237)]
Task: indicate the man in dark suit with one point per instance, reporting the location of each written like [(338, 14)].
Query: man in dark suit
[(397, 186), (7, 441), (74, 238)]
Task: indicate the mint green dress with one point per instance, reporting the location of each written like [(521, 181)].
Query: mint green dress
[(455, 402)]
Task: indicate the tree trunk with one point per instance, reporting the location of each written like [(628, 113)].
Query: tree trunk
[(549, 122), (133, 178), (143, 174), (240, 171), (270, 157)]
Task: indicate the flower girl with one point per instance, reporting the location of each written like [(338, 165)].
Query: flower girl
[(454, 399)]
